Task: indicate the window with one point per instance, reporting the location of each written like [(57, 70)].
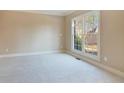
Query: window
[(86, 34)]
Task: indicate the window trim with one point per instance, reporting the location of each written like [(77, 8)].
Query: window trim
[(82, 53)]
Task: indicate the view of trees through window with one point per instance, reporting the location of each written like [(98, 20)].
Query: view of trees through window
[(77, 35), (85, 33)]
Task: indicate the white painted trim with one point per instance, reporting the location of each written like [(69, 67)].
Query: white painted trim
[(98, 64), (28, 54)]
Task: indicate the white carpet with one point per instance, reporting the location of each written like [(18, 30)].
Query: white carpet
[(53, 68)]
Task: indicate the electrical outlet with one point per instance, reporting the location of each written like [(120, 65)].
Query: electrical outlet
[(105, 59), (61, 35), (7, 50)]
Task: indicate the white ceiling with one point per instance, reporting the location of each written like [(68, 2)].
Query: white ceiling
[(52, 12)]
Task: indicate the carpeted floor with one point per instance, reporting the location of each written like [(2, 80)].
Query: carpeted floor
[(52, 68)]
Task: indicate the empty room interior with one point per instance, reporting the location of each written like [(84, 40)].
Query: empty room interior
[(61, 46)]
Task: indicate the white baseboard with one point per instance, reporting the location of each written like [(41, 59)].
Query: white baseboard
[(98, 64), (28, 54)]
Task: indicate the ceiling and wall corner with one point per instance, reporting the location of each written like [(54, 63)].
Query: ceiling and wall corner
[(49, 12)]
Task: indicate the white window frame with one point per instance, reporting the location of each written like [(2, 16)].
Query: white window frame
[(83, 52)]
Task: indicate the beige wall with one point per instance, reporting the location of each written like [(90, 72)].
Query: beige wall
[(22, 32), (112, 37)]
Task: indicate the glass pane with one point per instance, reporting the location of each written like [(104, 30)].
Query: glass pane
[(91, 33), (77, 34)]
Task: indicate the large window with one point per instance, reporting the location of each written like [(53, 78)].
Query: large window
[(86, 34)]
